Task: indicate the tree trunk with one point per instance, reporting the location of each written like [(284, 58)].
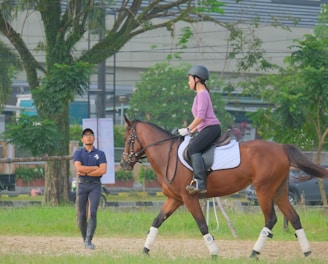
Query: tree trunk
[(56, 182), (57, 172)]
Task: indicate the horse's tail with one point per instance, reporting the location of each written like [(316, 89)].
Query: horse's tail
[(299, 160)]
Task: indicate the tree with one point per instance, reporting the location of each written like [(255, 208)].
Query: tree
[(299, 95), (63, 29), (166, 89), (9, 63), (64, 24), (33, 133)]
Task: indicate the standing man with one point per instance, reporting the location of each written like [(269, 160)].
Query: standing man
[(91, 165)]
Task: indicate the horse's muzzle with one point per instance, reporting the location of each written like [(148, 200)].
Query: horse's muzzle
[(126, 165)]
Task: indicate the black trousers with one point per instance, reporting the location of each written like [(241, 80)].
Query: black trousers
[(88, 191), (204, 139)]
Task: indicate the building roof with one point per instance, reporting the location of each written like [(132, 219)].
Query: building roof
[(268, 11)]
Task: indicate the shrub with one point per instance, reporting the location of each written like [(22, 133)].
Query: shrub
[(146, 174), (29, 174), (123, 175), (119, 132)]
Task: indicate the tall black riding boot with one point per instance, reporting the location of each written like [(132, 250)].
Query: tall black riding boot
[(198, 183), (83, 228), (91, 228)]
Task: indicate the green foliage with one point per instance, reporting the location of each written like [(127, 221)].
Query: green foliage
[(320, 29), (75, 132), (298, 94), (29, 174), (119, 132), (165, 89), (60, 87), (210, 6), (146, 174), (123, 175), (35, 135)]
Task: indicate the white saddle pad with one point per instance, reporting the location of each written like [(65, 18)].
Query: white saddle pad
[(225, 157)]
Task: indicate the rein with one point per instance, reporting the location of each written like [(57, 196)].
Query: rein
[(134, 157)]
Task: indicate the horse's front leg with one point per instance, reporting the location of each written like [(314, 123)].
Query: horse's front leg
[(193, 205), (168, 208)]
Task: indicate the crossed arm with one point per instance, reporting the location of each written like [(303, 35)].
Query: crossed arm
[(90, 170)]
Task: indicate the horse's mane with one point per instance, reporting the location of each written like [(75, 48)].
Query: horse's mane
[(162, 130)]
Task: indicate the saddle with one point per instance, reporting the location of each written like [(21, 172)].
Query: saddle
[(208, 154), (223, 139)]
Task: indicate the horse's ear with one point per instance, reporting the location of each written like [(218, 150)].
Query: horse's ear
[(127, 120)]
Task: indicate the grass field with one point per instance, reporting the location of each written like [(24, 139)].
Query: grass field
[(125, 223)]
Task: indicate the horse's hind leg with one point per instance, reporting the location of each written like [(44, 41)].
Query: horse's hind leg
[(194, 207), (289, 212), (270, 220), (168, 208)]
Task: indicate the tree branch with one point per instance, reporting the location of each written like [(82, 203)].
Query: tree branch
[(29, 63)]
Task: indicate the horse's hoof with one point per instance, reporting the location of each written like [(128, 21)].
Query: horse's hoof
[(254, 255), (146, 251), (306, 254)]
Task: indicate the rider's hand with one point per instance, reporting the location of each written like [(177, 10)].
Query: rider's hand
[(184, 131)]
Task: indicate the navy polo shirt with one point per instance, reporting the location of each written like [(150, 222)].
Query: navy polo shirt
[(93, 158)]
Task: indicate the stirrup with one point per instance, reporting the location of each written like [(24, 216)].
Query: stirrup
[(192, 188)]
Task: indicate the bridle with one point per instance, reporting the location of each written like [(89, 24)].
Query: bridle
[(133, 157)]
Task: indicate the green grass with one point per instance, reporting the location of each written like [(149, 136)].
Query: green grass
[(134, 222), (127, 196), (61, 221)]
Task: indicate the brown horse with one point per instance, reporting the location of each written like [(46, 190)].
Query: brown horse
[(263, 164)]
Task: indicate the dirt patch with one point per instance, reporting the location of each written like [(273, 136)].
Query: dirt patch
[(170, 247)]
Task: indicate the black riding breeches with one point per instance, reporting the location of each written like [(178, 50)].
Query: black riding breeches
[(204, 139)]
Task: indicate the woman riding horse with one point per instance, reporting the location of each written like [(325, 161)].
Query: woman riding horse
[(205, 122)]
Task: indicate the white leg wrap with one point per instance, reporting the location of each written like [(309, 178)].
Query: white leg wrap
[(304, 243), (265, 233), (150, 240), (211, 245)]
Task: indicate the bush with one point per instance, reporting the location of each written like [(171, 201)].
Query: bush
[(146, 174), (123, 175), (29, 174), (119, 132)]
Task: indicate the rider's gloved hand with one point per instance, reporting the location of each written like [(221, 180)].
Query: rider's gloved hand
[(184, 131)]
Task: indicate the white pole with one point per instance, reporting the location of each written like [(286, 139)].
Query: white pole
[(218, 201)]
